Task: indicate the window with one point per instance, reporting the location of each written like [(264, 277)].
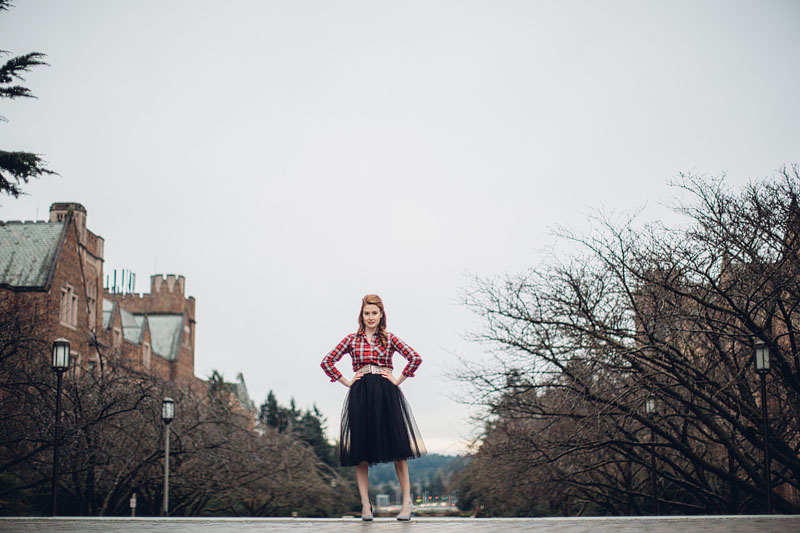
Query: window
[(146, 356), (64, 308), (91, 291), (68, 311), (73, 314)]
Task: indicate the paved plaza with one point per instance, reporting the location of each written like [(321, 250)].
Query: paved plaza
[(729, 524)]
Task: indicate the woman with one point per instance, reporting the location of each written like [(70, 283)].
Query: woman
[(377, 424)]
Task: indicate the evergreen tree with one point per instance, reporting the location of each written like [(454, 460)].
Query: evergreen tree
[(216, 383), (18, 167), (311, 429), (272, 414), (308, 426)]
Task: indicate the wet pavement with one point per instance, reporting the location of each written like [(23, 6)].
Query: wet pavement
[(721, 524)]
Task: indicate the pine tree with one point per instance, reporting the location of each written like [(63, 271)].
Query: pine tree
[(308, 425), (17, 168), (272, 414), (311, 429)]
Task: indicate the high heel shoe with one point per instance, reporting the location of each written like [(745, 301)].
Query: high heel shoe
[(405, 517), (367, 517)]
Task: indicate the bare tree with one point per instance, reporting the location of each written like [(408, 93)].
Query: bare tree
[(26, 390), (670, 312), (112, 438)]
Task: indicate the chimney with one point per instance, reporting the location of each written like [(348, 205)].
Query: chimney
[(59, 212)]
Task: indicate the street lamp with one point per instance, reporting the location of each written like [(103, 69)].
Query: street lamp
[(59, 363), (167, 414), (650, 405), (651, 410), (761, 357)]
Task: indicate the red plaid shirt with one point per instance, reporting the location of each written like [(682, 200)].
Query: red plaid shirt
[(365, 352)]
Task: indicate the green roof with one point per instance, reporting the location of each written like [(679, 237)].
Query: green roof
[(165, 329), (27, 250), (165, 334), (131, 326)]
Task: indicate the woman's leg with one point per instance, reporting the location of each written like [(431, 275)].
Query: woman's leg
[(401, 467), (362, 478)]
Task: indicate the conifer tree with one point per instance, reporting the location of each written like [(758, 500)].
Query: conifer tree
[(272, 414), (17, 167)]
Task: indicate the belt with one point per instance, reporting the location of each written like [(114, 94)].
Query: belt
[(372, 369)]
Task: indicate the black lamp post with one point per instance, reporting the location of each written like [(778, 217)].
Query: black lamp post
[(761, 359), (167, 414), (59, 363), (650, 409)]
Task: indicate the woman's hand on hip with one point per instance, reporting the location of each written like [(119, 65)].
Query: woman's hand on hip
[(356, 377), (349, 382), (386, 373)]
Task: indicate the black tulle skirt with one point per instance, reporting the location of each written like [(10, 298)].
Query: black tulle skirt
[(377, 424)]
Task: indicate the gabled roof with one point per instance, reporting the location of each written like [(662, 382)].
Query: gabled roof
[(165, 328), (165, 334), (239, 390), (131, 327), (27, 253)]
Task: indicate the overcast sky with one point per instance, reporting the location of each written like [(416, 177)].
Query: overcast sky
[(288, 157)]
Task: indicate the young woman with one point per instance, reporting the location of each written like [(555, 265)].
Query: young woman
[(377, 424)]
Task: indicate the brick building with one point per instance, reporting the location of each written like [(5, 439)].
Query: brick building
[(58, 265), (154, 330)]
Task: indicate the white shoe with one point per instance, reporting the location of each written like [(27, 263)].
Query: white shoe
[(405, 517), (367, 517)]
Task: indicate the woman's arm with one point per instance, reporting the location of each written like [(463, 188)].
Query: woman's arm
[(349, 382), (414, 360), (388, 375), (330, 360)]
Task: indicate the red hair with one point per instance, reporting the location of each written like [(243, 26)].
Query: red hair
[(373, 299)]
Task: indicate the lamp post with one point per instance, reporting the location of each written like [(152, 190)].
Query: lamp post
[(761, 357), (167, 414), (650, 409), (59, 363)]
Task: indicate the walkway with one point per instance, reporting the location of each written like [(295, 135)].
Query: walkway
[(733, 524)]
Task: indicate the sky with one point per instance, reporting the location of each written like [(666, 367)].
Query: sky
[(288, 157)]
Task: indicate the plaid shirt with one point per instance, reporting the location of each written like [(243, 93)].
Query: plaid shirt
[(365, 352)]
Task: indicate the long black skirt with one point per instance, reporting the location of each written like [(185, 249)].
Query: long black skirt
[(377, 424)]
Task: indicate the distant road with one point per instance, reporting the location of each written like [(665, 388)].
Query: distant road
[(721, 524)]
